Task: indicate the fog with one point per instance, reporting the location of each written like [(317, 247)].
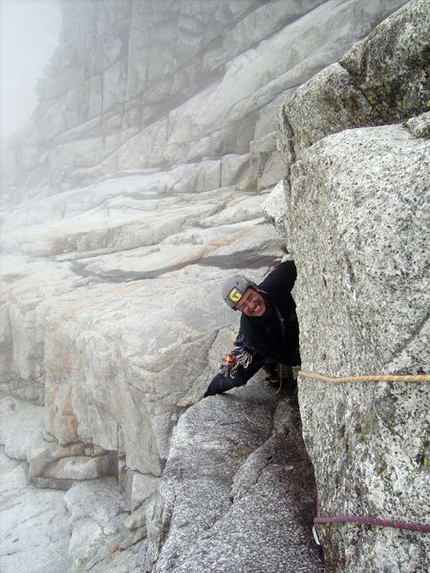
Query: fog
[(29, 31)]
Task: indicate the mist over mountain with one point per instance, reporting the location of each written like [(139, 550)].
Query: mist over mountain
[(176, 143), (28, 38)]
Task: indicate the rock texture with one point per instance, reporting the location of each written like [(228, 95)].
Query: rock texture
[(138, 187), (34, 524), (356, 219), (134, 195), (372, 286), (382, 80), (237, 492), (150, 85)]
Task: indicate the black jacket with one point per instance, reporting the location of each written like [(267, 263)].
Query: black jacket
[(273, 337)]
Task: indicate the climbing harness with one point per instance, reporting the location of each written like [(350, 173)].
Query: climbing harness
[(274, 376), (419, 527), (285, 373), (284, 338)]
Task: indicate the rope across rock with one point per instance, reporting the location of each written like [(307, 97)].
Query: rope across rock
[(360, 519), (369, 377)]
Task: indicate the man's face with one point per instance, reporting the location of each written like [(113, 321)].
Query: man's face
[(252, 303)]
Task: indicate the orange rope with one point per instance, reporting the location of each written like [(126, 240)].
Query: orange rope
[(370, 378)]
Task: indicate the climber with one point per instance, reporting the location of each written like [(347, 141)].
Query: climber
[(269, 330)]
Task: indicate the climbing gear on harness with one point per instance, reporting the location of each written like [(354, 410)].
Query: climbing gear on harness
[(239, 356), (234, 288)]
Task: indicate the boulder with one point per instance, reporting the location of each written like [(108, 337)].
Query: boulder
[(237, 491), (359, 237), (381, 80), (358, 229), (356, 222)]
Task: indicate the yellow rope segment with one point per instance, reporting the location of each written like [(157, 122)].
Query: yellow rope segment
[(370, 378)]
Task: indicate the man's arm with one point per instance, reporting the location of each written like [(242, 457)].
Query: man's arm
[(221, 383), (235, 375), (284, 277)]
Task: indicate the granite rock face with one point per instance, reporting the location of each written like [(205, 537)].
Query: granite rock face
[(138, 187), (368, 438), (150, 85), (34, 524), (237, 492), (355, 218), (382, 80), (135, 194)]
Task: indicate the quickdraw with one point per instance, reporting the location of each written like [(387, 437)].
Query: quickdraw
[(239, 356)]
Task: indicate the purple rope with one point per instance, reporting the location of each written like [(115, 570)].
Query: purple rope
[(420, 527)]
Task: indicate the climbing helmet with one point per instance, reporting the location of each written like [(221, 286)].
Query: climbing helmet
[(234, 288)]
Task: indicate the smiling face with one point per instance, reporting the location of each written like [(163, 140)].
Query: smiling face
[(252, 303)]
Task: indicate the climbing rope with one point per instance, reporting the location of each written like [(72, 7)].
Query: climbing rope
[(281, 373), (370, 378), (420, 527)]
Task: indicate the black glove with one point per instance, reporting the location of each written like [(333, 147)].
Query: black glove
[(220, 383)]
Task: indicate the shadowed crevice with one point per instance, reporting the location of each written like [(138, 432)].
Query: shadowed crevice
[(245, 259)]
